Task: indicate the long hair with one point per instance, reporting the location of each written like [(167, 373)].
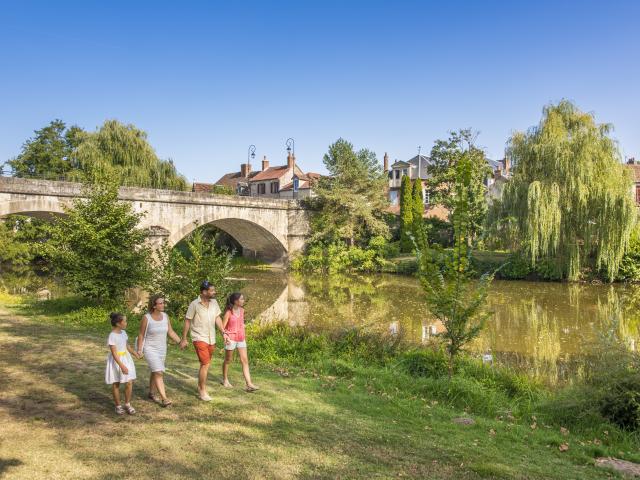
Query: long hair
[(152, 302), (231, 300)]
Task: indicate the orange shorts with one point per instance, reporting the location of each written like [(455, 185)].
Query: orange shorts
[(204, 351)]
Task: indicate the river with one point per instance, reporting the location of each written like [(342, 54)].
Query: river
[(545, 329)]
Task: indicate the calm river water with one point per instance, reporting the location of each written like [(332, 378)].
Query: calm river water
[(543, 328)]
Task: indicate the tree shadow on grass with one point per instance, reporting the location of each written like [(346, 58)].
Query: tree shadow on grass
[(290, 429), (7, 463)]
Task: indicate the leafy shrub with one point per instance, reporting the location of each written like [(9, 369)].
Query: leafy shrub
[(360, 344), (630, 264), (279, 342), (337, 257), (621, 404), (440, 231), (549, 269), (425, 363), (517, 268), (178, 274)]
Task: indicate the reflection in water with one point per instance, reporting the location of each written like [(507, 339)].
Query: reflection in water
[(545, 328)]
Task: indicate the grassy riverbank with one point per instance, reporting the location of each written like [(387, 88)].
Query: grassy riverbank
[(352, 417)]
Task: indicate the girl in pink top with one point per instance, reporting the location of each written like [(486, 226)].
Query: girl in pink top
[(234, 338)]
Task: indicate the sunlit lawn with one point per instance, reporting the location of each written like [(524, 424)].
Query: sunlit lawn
[(57, 421)]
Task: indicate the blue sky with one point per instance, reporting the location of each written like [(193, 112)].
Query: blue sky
[(207, 79)]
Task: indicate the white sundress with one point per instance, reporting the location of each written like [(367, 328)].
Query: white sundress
[(113, 373), (154, 347)]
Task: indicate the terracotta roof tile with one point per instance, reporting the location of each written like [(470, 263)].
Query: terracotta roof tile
[(271, 173), (635, 168), (202, 187)]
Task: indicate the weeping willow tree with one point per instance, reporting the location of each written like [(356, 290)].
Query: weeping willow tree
[(122, 153), (570, 195)]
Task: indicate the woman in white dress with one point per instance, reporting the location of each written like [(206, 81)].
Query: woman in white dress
[(154, 328)]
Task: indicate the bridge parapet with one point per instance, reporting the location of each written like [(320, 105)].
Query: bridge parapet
[(272, 229)]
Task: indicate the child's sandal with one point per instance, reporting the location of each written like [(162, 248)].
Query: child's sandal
[(130, 410), (119, 410), (166, 403), (154, 398)]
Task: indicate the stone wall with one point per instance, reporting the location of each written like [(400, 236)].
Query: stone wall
[(271, 229)]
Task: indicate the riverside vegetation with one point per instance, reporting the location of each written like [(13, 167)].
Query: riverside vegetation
[(348, 403), (345, 402)]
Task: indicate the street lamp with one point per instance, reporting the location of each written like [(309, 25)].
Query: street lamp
[(291, 146), (251, 154)]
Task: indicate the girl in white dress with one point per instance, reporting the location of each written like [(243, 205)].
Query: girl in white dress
[(120, 366), (154, 328)]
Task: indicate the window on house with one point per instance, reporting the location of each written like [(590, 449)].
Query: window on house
[(274, 187), (404, 172), (261, 189), (391, 174), (397, 174), (296, 184)]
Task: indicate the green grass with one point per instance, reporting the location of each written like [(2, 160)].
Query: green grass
[(314, 417)]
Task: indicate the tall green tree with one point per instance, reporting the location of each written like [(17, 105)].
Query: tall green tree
[(452, 296), (417, 204), (49, 153), (350, 201), (444, 158), (406, 214), (122, 152), (114, 152), (570, 194), (97, 247)]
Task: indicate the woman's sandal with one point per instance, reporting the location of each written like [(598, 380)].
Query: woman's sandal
[(154, 398), (252, 389), (166, 403), (130, 410)]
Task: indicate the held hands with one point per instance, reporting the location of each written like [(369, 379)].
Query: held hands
[(225, 335), (138, 354), (183, 344)]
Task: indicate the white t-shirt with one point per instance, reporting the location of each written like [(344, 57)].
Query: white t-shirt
[(119, 340), (203, 320)]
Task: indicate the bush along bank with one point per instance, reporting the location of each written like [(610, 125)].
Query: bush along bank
[(601, 410), (386, 364)]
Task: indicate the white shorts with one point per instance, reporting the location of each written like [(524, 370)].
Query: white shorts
[(233, 345)]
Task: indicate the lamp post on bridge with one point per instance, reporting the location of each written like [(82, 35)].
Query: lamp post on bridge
[(291, 145), (251, 154)]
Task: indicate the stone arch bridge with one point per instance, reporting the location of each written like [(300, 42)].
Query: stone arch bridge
[(269, 229)]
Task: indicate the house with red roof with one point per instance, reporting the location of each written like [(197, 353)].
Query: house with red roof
[(282, 181), (634, 166)]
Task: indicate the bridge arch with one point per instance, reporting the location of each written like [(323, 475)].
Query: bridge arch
[(255, 239), (39, 207)]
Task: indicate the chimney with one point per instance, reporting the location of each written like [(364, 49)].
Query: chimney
[(386, 162), (245, 170), (291, 160), (265, 163), (507, 165)]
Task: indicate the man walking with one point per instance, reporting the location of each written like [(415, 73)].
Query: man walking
[(201, 318)]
